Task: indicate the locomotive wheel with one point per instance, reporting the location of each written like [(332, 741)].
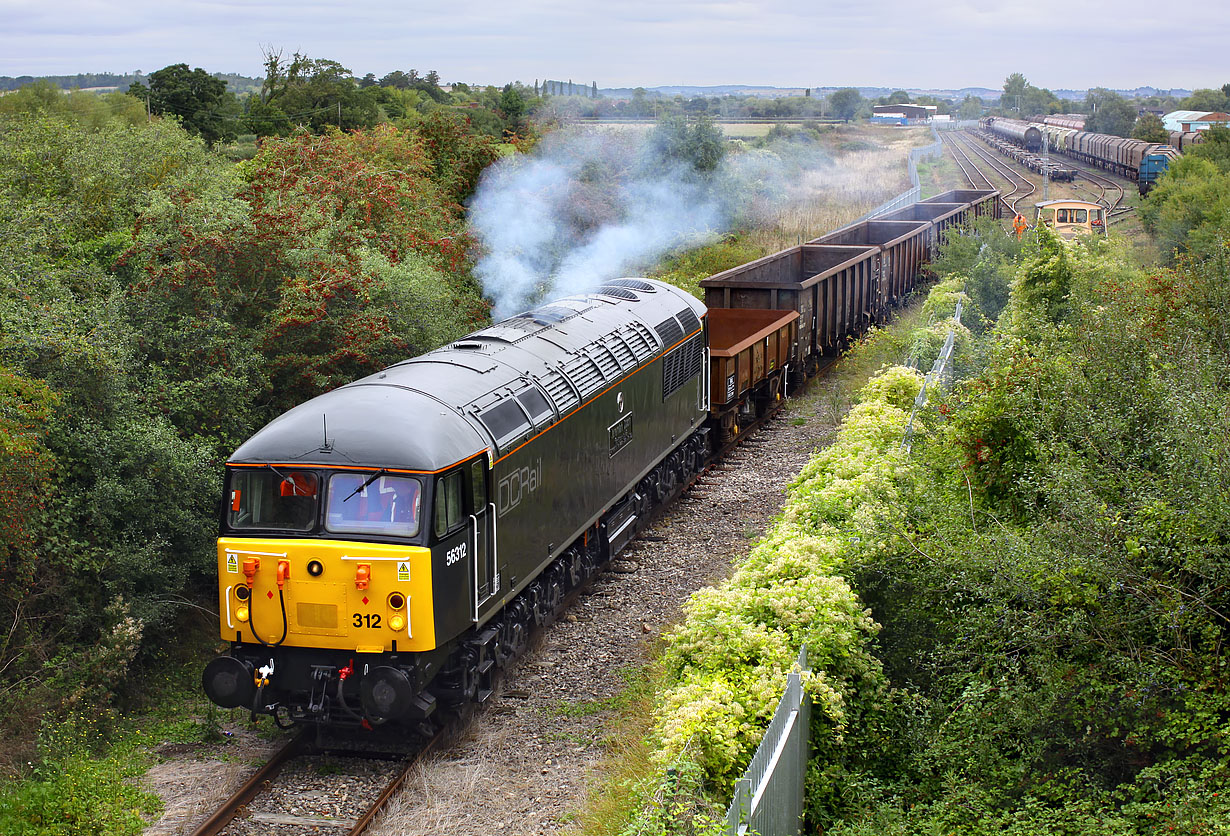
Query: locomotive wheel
[(666, 482)]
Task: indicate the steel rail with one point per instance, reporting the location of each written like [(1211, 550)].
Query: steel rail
[(259, 781), (957, 156), (364, 821), (1017, 180), (964, 145)]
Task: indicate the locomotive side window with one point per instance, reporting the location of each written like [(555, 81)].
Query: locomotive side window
[(449, 494), (264, 498), (478, 485), (361, 504)]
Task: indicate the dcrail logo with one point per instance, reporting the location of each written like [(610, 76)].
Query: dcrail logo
[(518, 485)]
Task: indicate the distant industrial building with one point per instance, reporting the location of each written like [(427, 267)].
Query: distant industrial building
[(904, 114), (1194, 120)]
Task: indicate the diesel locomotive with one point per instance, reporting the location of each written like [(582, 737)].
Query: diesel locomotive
[(388, 546)]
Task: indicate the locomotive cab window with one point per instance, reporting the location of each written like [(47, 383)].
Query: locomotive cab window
[(366, 503), (281, 500), (449, 503), (478, 486)]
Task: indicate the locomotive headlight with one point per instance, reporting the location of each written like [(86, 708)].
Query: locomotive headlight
[(315, 568), (241, 614), (397, 623)]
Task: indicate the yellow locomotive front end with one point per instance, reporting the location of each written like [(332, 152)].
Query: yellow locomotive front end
[(325, 593), (342, 595)]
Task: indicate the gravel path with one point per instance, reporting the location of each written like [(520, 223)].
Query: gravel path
[(525, 760)]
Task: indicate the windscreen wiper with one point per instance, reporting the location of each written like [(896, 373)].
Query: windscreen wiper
[(370, 479)]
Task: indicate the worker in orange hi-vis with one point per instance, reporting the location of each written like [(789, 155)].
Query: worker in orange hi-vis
[(1020, 225)]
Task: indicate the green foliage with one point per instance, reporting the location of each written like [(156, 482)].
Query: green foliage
[(844, 103), (87, 109), (686, 269), (1050, 573), (696, 144), (1110, 113), (318, 93), (157, 305), (1189, 209), (971, 108), (1207, 100), (1149, 128), (458, 154), (199, 100), (1023, 99), (1044, 283)]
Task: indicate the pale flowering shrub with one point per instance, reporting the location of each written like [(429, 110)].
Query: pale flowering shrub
[(727, 661)]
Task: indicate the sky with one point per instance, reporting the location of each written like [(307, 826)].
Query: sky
[(648, 43)]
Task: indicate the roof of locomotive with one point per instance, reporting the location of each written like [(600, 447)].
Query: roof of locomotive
[(486, 391)]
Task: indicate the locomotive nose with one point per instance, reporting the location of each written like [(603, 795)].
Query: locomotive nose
[(228, 682)]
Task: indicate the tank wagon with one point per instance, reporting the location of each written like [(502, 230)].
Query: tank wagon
[(1015, 131), (1073, 121), (388, 546)]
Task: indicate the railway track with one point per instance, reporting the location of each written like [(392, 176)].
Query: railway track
[(961, 146), (1109, 193), (310, 788)]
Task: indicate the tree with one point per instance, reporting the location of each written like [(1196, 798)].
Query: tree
[(698, 144), (512, 106), (1014, 87), (194, 96), (317, 93), (1109, 113), (845, 103), (898, 97), (971, 108), (1038, 101), (1149, 128), (1206, 100)]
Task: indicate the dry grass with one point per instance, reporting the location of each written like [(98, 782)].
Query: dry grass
[(611, 803), (869, 169)]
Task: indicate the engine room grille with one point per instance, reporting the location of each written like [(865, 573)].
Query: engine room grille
[(687, 318), (561, 392), (623, 354), (618, 293), (669, 331), (641, 341), (584, 374), (606, 361), (681, 365), (635, 284)]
